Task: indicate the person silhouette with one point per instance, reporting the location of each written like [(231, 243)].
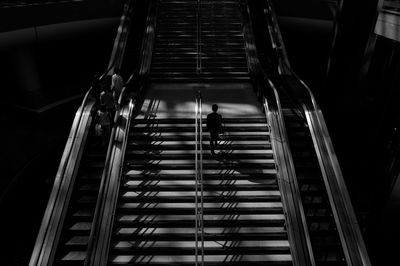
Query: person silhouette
[(214, 126)]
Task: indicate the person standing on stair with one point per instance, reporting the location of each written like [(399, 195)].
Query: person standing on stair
[(107, 100), (117, 83), (214, 126), (103, 120)]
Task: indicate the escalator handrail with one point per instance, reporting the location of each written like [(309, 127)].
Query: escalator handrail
[(111, 177), (299, 238), (109, 188), (348, 227), (116, 61), (279, 141), (120, 40), (52, 221)]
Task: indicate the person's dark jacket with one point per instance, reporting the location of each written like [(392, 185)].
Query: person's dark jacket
[(214, 123)]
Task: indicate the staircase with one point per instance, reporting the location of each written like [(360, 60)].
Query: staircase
[(247, 226), (199, 42), (75, 234), (155, 217), (222, 43)]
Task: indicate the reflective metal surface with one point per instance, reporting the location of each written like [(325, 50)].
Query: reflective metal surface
[(346, 222), (52, 224), (53, 219), (299, 239), (199, 191)]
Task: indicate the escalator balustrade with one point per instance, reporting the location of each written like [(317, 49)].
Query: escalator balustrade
[(75, 234)]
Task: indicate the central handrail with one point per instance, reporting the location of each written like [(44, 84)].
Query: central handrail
[(198, 45), (199, 206)]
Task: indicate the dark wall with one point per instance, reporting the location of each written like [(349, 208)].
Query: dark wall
[(60, 69), (307, 29)]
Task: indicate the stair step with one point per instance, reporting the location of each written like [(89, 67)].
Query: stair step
[(192, 133), (129, 198), (182, 251), (208, 211), (183, 147), (191, 193), (208, 187), (75, 256), (148, 236), (249, 181), (223, 140), (231, 172), (254, 245), (206, 177), (206, 156), (212, 206), (273, 224), (191, 128), (207, 163), (78, 241), (209, 260)]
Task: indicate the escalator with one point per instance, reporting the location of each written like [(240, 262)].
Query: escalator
[(325, 239), (324, 235), (66, 228), (76, 230), (327, 207)]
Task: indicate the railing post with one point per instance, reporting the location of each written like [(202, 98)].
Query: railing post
[(198, 45), (199, 206)]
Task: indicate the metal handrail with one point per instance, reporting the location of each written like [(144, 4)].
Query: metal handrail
[(287, 178), (43, 252), (110, 182), (116, 60), (118, 51), (201, 178), (347, 225), (339, 198), (199, 207), (198, 45), (297, 227)]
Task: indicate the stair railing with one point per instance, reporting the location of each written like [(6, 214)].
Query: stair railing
[(198, 45), (299, 239), (199, 191), (348, 228)]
